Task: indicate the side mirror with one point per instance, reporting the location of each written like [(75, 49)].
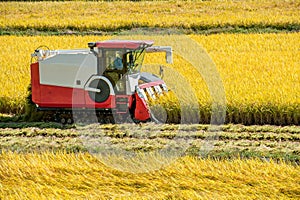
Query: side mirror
[(167, 49), (169, 55)]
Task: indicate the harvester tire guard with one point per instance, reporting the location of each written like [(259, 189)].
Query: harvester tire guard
[(104, 93)]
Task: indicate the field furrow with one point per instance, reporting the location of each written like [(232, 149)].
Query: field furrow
[(228, 142)]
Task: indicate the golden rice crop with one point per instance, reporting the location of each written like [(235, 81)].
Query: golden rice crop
[(82, 176), (53, 16), (260, 72)]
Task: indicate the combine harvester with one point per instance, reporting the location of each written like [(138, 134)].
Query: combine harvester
[(103, 80)]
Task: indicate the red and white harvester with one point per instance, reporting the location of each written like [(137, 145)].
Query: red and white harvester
[(103, 80)]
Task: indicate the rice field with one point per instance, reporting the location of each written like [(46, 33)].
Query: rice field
[(49, 161), (259, 72), (82, 176), (123, 15)]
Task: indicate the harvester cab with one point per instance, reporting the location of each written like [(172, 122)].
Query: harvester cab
[(106, 77)]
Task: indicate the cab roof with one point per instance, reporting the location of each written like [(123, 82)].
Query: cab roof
[(125, 44)]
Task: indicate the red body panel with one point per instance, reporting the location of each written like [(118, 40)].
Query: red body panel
[(124, 44), (109, 103), (61, 97), (35, 82), (64, 97), (141, 112), (151, 84)]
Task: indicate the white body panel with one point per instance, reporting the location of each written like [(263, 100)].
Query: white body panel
[(132, 82), (68, 69)]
